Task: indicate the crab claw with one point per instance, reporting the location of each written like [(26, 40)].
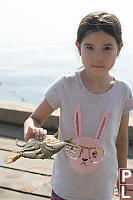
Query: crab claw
[(13, 159), (70, 140), (19, 145), (9, 162), (16, 151)]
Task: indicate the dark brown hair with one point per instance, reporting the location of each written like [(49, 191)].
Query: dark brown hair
[(97, 21)]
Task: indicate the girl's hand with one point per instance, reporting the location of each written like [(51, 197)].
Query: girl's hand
[(37, 133), (40, 133)]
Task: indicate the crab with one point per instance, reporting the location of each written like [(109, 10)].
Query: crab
[(39, 149)]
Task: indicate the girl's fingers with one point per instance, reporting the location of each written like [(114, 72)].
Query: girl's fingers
[(31, 132), (43, 133), (40, 133), (37, 133)]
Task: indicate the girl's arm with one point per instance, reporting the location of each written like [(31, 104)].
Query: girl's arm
[(32, 126), (122, 143)]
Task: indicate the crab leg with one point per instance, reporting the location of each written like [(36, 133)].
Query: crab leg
[(28, 149), (19, 145), (44, 156), (13, 159), (26, 145), (31, 154)]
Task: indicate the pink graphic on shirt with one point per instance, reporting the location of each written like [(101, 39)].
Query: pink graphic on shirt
[(85, 154)]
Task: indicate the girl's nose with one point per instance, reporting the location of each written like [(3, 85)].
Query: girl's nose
[(98, 56)]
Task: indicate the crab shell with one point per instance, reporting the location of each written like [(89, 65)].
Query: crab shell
[(35, 149)]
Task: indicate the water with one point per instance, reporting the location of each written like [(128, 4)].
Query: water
[(27, 80)]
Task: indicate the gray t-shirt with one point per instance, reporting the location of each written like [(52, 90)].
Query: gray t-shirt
[(65, 93)]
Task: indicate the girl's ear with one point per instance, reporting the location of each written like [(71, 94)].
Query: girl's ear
[(119, 49), (78, 46)]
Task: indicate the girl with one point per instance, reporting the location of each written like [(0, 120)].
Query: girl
[(94, 105)]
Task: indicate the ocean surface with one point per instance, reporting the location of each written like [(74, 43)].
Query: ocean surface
[(26, 77)]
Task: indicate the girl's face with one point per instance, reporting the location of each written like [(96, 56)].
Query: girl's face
[(98, 52)]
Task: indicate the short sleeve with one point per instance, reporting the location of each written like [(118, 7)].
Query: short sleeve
[(55, 92), (129, 101)]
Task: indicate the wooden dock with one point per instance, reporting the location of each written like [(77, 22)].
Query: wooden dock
[(25, 179)]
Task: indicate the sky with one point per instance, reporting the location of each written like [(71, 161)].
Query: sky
[(37, 24)]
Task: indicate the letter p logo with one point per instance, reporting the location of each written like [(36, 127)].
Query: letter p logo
[(126, 184), (126, 174)]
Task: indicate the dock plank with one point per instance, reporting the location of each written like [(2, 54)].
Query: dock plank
[(13, 195), (6, 143), (25, 175), (24, 181)]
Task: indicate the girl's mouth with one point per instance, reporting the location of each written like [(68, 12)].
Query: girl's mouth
[(98, 66)]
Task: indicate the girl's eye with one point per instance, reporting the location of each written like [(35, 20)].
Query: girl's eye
[(89, 47), (107, 48)]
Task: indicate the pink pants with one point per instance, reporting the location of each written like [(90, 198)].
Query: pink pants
[(55, 196)]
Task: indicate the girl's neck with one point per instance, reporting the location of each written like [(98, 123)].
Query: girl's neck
[(97, 84)]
